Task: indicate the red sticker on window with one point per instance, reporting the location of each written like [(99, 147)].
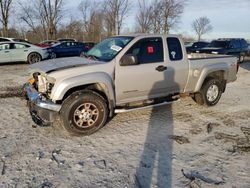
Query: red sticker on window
[(150, 49)]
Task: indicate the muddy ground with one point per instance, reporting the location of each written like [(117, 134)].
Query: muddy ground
[(147, 148)]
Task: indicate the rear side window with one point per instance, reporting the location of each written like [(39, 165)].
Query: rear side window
[(19, 46), (174, 49), (149, 50)]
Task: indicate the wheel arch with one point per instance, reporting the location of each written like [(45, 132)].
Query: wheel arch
[(100, 83), (221, 73), (34, 52)]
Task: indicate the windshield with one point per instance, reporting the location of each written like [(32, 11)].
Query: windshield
[(108, 48), (219, 44), (56, 44)]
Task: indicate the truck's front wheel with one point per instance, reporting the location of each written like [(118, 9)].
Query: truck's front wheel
[(210, 93), (83, 113)]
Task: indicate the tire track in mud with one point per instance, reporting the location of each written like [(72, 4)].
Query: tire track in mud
[(8, 92), (239, 142), (227, 119)]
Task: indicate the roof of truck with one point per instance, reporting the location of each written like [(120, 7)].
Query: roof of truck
[(149, 34)]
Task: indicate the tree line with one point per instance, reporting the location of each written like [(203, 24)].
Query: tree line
[(45, 19)]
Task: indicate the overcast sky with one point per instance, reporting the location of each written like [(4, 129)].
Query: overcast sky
[(229, 18)]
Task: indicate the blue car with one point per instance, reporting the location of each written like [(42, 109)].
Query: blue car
[(228, 46), (196, 45), (67, 49)]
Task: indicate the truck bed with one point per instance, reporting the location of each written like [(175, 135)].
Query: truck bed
[(198, 56), (201, 63)]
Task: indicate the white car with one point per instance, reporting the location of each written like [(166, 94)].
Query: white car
[(6, 39), (21, 52)]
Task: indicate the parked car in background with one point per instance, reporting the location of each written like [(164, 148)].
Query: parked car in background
[(248, 53), (66, 40), (67, 49), (196, 46), (188, 43), (228, 46), (46, 43), (5, 39), (21, 52), (89, 45)]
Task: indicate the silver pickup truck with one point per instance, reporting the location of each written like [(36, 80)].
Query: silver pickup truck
[(121, 74)]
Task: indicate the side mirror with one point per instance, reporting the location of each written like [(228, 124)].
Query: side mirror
[(128, 60)]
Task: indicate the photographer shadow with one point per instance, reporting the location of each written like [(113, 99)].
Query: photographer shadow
[(155, 166)]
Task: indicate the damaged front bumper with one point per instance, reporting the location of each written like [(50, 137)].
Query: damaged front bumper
[(43, 111)]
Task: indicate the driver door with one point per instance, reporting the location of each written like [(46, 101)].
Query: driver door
[(145, 80)]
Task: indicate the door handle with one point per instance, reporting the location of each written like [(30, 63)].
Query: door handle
[(161, 68), (25, 50), (6, 51)]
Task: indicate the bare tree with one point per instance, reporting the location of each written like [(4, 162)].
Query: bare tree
[(172, 10), (51, 14), (92, 20), (115, 13), (161, 15), (202, 26), (45, 14), (156, 16), (5, 6), (143, 17), (74, 29)]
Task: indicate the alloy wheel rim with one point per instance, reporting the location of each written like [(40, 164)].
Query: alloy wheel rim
[(86, 115), (212, 93), (35, 58)]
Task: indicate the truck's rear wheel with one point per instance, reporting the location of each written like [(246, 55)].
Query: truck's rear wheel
[(83, 113), (210, 93)]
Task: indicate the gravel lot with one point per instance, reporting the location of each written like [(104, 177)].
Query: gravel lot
[(136, 149)]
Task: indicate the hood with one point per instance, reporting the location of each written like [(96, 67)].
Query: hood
[(61, 63)]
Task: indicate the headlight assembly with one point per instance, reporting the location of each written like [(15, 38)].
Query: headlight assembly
[(42, 85)]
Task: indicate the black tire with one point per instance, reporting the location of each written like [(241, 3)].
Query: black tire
[(198, 98), (84, 113), (34, 58), (210, 93)]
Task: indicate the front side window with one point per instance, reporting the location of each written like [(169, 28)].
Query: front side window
[(74, 44), (149, 50), (108, 48), (174, 49), (65, 44)]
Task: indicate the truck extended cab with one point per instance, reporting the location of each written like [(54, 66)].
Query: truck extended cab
[(124, 73)]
